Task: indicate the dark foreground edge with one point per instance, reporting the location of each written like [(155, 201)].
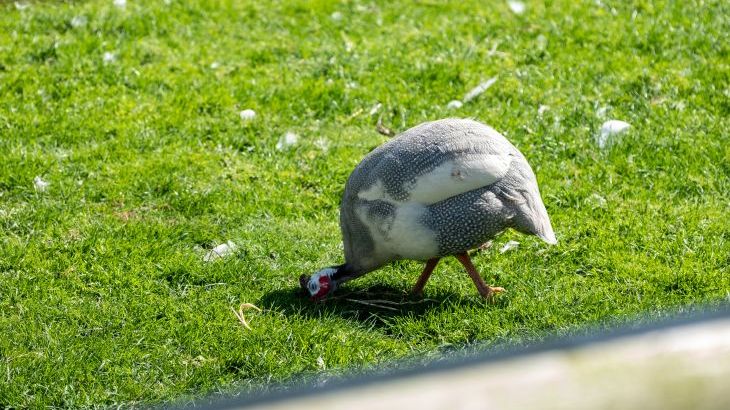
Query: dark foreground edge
[(294, 393)]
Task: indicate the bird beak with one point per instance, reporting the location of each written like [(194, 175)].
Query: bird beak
[(303, 280)]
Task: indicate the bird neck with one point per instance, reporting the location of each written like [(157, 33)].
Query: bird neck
[(343, 273)]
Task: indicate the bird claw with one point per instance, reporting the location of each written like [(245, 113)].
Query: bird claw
[(492, 291)]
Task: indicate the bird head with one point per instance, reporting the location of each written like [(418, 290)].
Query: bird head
[(320, 284)]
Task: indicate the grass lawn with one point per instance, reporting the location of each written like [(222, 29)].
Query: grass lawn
[(131, 116)]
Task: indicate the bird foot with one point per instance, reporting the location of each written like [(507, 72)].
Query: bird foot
[(491, 291)]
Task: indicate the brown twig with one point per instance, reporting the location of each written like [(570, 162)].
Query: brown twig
[(372, 304), (239, 313), (383, 129)]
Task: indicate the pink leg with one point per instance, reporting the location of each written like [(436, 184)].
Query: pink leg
[(485, 290), (427, 270)]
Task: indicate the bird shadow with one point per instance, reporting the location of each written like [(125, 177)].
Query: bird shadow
[(374, 305)]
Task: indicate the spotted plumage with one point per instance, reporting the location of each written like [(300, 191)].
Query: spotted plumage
[(438, 189)]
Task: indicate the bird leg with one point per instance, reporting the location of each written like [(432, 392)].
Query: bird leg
[(485, 290), (427, 270)]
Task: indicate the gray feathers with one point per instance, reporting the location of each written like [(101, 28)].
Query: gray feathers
[(439, 188)]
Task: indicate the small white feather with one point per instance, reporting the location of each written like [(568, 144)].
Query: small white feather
[(516, 6), (509, 246), (479, 90), (109, 57), (40, 185), (221, 251), (79, 21), (287, 140), (454, 104), (609, 132), (374, 110), (247, 114)]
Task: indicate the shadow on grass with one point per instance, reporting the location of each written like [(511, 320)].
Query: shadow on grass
[(374, 305)]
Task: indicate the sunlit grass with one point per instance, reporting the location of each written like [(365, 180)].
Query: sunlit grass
[(131, 115)]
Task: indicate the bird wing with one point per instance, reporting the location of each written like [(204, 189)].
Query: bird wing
[(435, 161), (457, 176)]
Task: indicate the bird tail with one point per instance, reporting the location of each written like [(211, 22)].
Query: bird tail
[(531, 217), (543, 227)]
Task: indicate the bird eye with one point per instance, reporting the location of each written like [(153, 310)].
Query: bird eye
[(313, 287)]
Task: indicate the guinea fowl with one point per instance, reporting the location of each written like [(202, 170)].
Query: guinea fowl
[(438, 189)]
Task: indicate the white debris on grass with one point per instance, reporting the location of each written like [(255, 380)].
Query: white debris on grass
[(509, 246), (40, 185), (79, 21), (602, 111), (287, 140), (336, 16), (322, 143), (454, 104), (220, 251), (542, 109), (214, 65), (109, 57), (375, 109), (596, 200), (320, 363), (120, 3), (610, 130), (478, 90), (247, 114), (516, 6), (21, 5)]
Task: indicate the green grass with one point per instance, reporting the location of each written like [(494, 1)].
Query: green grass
[(105, 298)]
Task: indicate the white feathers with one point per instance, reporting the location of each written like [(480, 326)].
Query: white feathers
[(287, 140), (374, 110), (374, 193), (509, 246), (609, 132), (406, 237), (478, 90), (456, 177), (221, 251), (109, 57), (322, 143), (454, 104), (247, 115), (40, 185), (449, 179), (596, 200), (548, 235), (79, 21), (516, 6)]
